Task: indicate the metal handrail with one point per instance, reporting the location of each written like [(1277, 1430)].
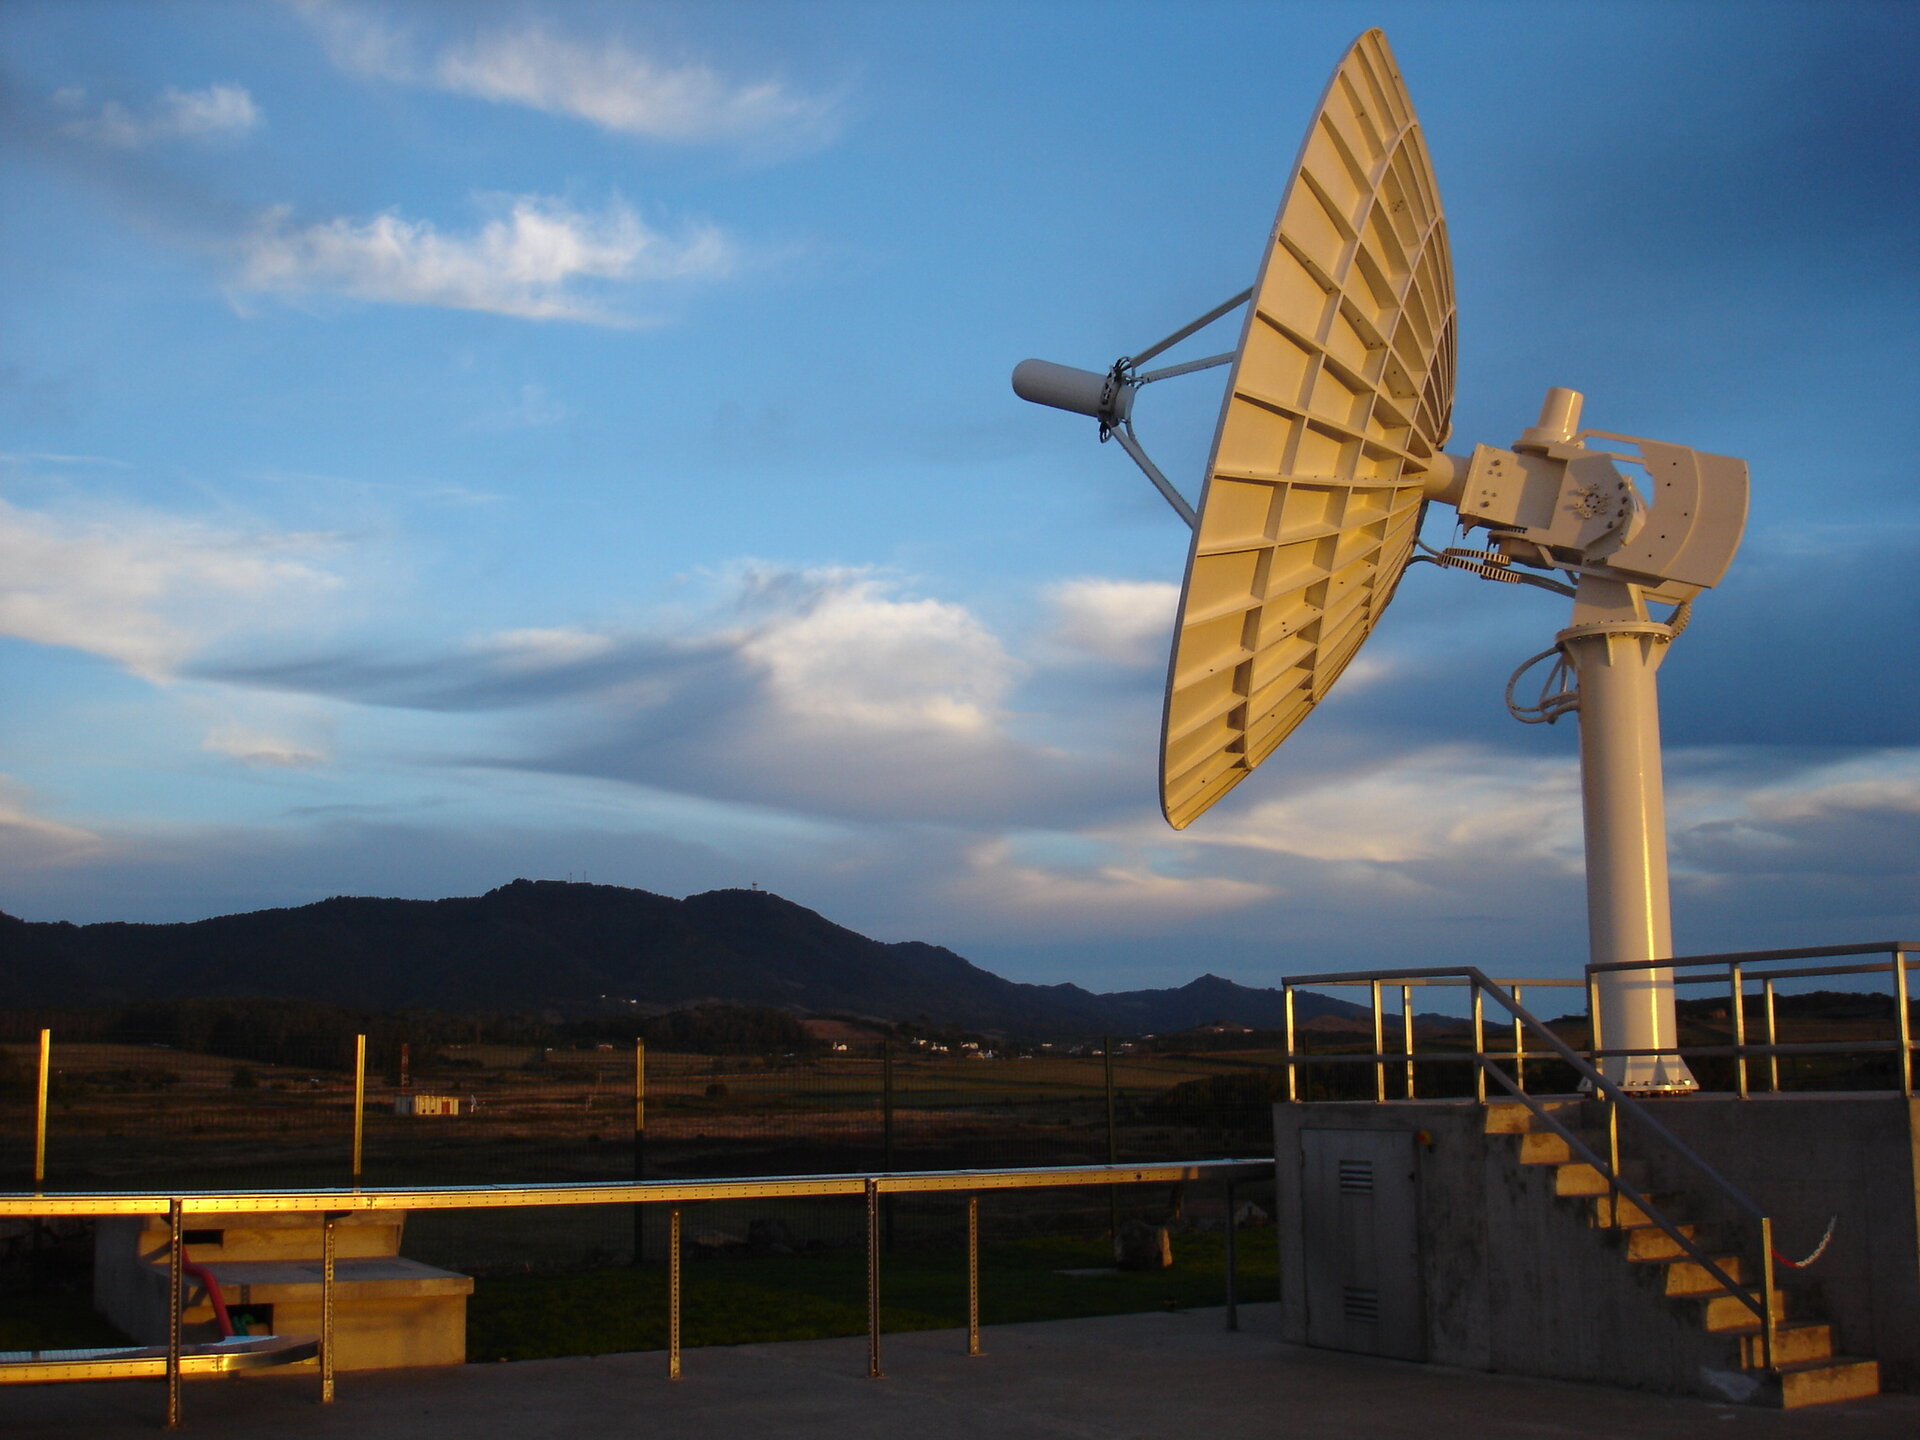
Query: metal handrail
[(1733, 972), (332, 1203)]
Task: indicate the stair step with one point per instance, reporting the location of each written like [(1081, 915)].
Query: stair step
[(1822, 1382), (1602, 1217), (1687, 1279), (1510, 1117), (1650, 1242), (1543, 1147), (1579, 1178), (1723, 1313), (1793, 1343)]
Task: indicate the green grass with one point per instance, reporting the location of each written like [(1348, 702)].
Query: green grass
[(737, 1301), (60, 1320)]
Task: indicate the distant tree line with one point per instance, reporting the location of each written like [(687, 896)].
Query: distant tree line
[(313, 1033)]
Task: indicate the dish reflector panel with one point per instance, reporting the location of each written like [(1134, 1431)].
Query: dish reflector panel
[(1341, 394)]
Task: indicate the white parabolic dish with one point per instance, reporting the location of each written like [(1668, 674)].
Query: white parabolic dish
[(1340, 397)]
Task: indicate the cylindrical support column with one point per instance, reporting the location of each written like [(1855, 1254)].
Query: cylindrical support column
[(1628, 918)]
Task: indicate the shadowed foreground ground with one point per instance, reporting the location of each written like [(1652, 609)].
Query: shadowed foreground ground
[(1114, 1378)]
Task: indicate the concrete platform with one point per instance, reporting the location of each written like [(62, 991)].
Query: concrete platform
[(1146, 1376)]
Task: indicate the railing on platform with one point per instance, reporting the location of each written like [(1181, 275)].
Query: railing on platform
[(675, 1194), (1615, 1100)]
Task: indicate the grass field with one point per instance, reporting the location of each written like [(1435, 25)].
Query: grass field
[(740, 1301)]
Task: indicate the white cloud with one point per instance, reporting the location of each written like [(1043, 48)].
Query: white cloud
[(617, 88), (143, 589), (1129, 622), (550, 649), (29, 840), (257, 748), (1123, 892), (1446, 804), (851, 652), (603, 81), (217, 113), (527, 260)]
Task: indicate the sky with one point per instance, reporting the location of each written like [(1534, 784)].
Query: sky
[(446, 443)]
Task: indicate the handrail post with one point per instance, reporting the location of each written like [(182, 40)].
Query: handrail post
[(1773, 1036), (673, 1292), (1479, 1043), (1233, 1298), (1613, 1158), (639, 1146), (973, 1275), (1293, 1088), (359, 1102), (873, 1278), (1594, 1045), (1519, 1047), (327, 1252), (1379, 1048), (176, 1254), (1406, 1036), (1768, 1320), (1900, 1005), (1738, 986), (40, 1118)]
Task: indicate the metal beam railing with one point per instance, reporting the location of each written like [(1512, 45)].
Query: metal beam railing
[(332, 1204)]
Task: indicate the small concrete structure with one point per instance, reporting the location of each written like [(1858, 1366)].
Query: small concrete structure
[(388, 1311), (426, 1104), (1479, 1249)]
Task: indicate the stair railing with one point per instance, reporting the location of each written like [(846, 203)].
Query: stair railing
[(1618, 1102)]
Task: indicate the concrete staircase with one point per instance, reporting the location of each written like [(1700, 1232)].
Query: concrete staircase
[(1805, 1372)]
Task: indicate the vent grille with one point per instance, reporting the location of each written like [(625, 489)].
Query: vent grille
[(1356, 1177), (1362, 1306)]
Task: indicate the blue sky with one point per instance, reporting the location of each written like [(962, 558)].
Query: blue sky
[(446, 443)]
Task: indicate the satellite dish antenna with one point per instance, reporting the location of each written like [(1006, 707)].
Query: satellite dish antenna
[(1326, 454)]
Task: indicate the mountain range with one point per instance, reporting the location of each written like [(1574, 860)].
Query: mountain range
[(543, 944)]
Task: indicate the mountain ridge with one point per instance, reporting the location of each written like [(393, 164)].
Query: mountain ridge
[(534, 944)]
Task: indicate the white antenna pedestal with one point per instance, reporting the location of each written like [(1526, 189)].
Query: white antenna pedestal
[(1624, 809)]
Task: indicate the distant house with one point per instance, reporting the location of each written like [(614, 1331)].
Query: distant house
[(426, 1104)]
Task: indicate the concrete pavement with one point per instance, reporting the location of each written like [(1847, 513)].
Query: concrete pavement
[(1117, 1378)]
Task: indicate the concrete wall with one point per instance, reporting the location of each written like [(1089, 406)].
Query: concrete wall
[(1517, 1281), (1806, 1159)]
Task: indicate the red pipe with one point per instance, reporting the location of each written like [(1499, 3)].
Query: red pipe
[(214, 1297)]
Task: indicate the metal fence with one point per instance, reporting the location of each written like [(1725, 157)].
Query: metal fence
[(114, 1113)]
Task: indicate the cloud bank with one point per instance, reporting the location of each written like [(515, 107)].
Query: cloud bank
[(529, 259)]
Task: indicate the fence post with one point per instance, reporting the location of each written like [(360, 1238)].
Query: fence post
[(328, 1241), (1905, 1028), (40, 1119), (973, 1275), (1738, 984), (1233, 1298), (1113, 1146), (639, 1144), (886, 1131), (1379, 1048), (1293, 1089), (176, 1254), (1406, 1035), (359, 1102), (673, 1293), (873, 1278)]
